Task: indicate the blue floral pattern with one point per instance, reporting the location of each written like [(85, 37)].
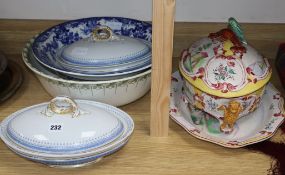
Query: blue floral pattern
[(48, 42)]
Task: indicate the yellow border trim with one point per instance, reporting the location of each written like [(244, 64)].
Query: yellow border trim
[(249, 88)]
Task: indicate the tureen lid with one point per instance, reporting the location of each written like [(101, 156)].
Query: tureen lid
[(104, 48), (224, 64), (64, 125)]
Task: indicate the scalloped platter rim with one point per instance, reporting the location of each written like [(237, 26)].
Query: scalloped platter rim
[(205, 129)]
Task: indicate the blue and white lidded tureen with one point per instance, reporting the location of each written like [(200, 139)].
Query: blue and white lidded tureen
[(103, 55), (63, 130), (49, 47)]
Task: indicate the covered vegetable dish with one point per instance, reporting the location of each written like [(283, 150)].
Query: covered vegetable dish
[(65, 132), (101, 55), (224, 76)]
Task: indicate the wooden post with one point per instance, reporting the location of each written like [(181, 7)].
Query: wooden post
[(162, 46)]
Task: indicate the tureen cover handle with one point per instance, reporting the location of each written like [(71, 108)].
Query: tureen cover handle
[(103, 33), (236, 28), (61, 105)]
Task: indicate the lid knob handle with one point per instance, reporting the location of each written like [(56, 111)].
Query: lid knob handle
[(62, 105), (236, 28), (102, 33)]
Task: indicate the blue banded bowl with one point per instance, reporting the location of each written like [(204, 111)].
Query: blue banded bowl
[(71, 162)]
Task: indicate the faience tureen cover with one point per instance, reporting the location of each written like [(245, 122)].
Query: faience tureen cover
[(224, 64)]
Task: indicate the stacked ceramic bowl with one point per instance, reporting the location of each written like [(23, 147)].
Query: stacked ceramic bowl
[(66, 133), (107, 59)]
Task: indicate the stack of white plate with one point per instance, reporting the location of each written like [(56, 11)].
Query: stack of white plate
[(66, 133)]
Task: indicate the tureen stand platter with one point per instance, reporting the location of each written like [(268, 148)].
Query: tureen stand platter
[(255, 127)]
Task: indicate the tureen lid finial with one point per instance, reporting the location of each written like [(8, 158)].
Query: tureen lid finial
[(236, 28)]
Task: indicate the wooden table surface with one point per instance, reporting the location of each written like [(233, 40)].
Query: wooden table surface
[(179, 153)]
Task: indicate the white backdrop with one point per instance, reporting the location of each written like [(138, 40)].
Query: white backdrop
[(265, 11)]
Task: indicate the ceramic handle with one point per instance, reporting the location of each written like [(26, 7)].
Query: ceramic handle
[(236, 28), (231, 115), (62, 105), (102, 33)]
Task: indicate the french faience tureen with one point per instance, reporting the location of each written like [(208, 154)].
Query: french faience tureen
[(224, 76)]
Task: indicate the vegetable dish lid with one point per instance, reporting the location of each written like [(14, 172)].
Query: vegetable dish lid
[(104, 48), (64, 126)]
